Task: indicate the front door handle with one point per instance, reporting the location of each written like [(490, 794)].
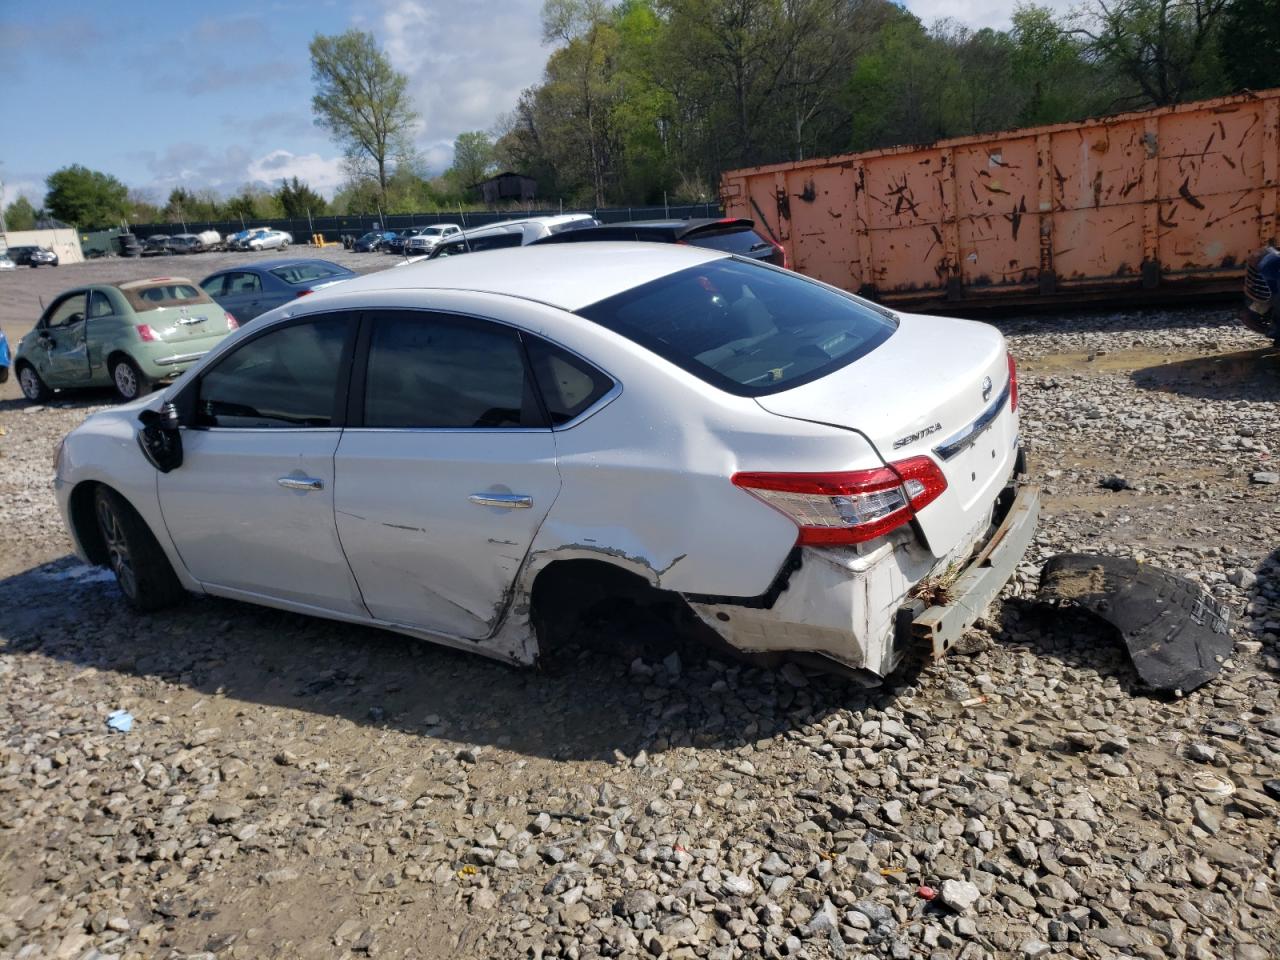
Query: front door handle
[(301, 483), (511, 501)]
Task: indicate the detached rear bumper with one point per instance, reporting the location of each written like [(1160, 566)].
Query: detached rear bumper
[(855, 608), (939, 626)]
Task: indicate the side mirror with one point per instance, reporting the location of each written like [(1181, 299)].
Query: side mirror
[(160, 437)]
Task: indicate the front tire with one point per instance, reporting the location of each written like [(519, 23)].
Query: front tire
[(128, 380), (142, 570), (33, 388)]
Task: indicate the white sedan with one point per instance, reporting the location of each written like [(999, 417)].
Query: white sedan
[(270, 240), (473, 450)]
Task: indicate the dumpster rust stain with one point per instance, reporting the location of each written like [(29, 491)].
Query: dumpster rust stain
[(810, 192), (1184, 191)]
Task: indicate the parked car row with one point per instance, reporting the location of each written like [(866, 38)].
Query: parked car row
[(31, 256), (257, 238)]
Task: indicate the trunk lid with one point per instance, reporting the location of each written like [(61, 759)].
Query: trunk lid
[(176, 310), (937, 387)]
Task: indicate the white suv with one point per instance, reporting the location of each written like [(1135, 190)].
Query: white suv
[(473, 450), (425, 240)]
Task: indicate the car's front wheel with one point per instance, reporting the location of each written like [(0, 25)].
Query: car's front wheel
[(128, 379), (33, 388), (143, 571)]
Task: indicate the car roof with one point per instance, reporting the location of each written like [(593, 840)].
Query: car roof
[(569, 277), (131, 284), (275, 264)]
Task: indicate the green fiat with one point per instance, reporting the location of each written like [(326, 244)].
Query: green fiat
[(130, 335)]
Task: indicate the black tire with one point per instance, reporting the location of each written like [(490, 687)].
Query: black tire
[(127, 379), (32, 386), (142, 570)]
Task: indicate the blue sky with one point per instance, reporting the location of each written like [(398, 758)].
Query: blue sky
[(217, 95)]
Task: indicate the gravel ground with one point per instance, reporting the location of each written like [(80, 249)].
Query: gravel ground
[(297, 788)]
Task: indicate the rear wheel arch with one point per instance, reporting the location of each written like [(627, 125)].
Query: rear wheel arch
[(85, 523)]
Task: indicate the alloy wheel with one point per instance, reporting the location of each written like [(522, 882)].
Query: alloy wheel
[(117, 549), (29, 381), (126, 381)]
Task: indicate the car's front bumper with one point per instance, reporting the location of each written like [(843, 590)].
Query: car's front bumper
[(857, 607)]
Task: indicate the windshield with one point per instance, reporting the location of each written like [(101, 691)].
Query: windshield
[(744, 327), (433, 232), (308, 272)]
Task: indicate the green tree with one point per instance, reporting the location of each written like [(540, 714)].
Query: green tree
[(473, 160), (362, 101), (86, 198), (20, 215), (1249, 44), (297, 199), (1166, 48)]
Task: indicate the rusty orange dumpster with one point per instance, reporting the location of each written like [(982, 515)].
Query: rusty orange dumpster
[(1138, 204)]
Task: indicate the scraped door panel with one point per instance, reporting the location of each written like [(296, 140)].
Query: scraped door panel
[(426, 548)]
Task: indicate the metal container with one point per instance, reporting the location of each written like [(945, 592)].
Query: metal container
[(1132, 206)]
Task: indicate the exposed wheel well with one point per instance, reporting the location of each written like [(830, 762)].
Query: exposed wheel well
[(85, 522), (118, 355), (594, 603)]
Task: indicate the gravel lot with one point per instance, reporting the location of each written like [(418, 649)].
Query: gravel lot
[(297, 788)]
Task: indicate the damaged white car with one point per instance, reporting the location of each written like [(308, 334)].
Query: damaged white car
[(464, 450)]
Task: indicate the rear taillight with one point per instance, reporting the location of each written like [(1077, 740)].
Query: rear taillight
[(851, 506), (303, 293), (786, 261), (232, 323), (1013, 383), (145, 332)]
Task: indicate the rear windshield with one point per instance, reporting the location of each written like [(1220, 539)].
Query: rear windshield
[(745, 327), (730, 241), (307, 272), (157, 296)]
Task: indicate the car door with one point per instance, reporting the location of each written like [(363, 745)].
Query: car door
[(445, 471), (101, 327), (251, 508), (62, 339)]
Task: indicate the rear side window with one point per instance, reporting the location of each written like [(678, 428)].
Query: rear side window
[(746, 328), (569, 385), (431, 371), (496, 241), (730, 241), (286, 378), (307, 272)]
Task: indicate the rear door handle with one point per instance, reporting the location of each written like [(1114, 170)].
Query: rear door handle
[(511, 501), (301, 483)]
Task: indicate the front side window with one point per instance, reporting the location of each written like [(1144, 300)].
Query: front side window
[(746, 328), (287, 377), (215, 286), (431, 371), (243, 283), (68, 311)]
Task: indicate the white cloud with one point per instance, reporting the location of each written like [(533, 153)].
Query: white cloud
[(322, 174), (466, 61), (23, 185), (977, 14)]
